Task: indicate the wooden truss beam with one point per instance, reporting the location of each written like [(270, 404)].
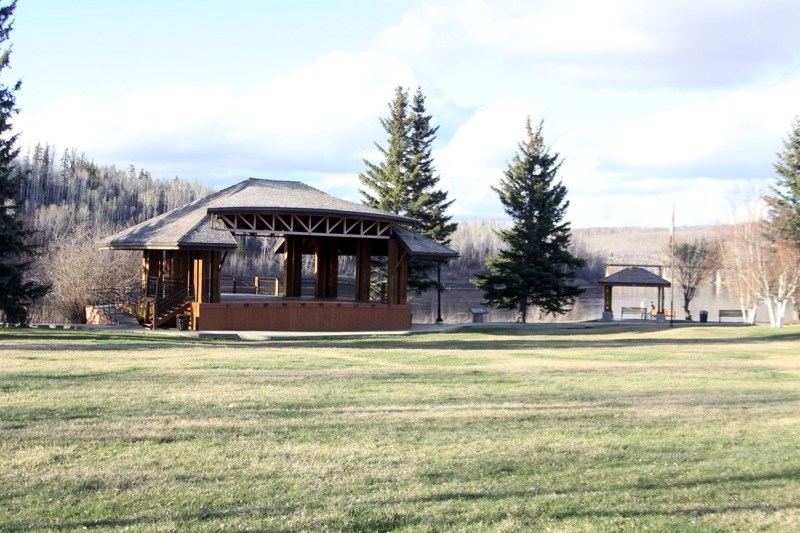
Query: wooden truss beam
[(302, 224)]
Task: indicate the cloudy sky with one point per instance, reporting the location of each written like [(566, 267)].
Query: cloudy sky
[(649, 103)]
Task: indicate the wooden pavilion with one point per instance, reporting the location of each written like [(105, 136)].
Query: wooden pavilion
[(633, 277), (184, 251)]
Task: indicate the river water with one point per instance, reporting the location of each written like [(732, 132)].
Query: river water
[(589, 306)]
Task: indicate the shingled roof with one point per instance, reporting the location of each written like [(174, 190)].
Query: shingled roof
[(634, 277), (189, 227), (271, 196), (422, 247)]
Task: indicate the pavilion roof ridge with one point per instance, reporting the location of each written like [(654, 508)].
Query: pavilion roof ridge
[(634, 276)]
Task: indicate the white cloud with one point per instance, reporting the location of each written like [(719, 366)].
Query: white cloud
[(474, 158), (741, 129), (324, 111), (612, 41)]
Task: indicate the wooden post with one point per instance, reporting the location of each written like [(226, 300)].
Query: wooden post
[(256, 284), (293, 267), (320, 268), (402, 279), (363, 269), (214, 281), (391, 272), (198, 268), (332, 277)]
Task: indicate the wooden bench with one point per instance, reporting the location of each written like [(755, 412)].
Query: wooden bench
[(731, 313), (640, 312)]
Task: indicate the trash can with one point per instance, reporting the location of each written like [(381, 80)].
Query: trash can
[(704, 316), (183, 322)]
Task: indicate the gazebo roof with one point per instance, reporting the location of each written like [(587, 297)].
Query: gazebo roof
[(422, 247), (634, 277), (189, 227), (272, 196)]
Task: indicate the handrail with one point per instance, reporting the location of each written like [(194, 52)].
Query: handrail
[(267, 285), (170, 305)]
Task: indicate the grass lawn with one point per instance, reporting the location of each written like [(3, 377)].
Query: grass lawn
[(498, 429)]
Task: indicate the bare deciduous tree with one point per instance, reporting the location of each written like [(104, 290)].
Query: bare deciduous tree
[(694, 262), (74, 265)]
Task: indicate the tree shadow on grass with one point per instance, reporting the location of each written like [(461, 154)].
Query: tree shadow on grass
[(370, 520), (447, 342), (585, 511)]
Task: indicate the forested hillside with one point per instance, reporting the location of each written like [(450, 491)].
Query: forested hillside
[(68, 190), (72, 203)]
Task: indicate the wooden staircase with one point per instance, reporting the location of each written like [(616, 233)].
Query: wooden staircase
[(153, 306), (166, 308)]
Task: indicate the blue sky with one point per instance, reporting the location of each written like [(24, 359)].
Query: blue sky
[(649, 103)]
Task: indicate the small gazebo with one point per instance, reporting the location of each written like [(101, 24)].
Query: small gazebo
[(184, 251), (632, 277)]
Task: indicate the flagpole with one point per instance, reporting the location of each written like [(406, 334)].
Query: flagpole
[(672, 268)]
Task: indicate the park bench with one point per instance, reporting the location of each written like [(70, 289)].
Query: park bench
[(731, 313), (639, 312)]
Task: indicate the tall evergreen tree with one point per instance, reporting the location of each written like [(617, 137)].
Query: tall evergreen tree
[(405, 181), (784, 203), (426, 203), (16, 292), (385, 182), (535, 269)]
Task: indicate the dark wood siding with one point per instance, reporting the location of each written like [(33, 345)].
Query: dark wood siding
[(302, 316)]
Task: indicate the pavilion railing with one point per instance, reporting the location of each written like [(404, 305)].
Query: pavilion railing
[(265, 285)]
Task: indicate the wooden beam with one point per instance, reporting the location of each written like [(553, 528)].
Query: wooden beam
[(198, 270), (332, 268), (293, 267), (392, 257), (402, 279), (320, 268), (363, 269)]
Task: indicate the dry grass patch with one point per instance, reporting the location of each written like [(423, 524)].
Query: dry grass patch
[(503, 429)]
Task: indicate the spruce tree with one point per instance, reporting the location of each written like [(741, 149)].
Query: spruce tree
[(426, 203), (784, 203), (385, 182), (405, 181), (16, 292), (535, 269)]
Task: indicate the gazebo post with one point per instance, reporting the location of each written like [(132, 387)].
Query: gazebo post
[(392, 257), (660, 317), (292, 267), (326, 265), (363, 269), (608, 313)]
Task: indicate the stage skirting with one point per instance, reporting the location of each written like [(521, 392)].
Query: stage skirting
[(300, 316)]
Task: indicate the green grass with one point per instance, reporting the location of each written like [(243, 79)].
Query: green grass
[(500, 429)]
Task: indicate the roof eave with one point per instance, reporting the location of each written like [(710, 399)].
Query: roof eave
[(167, 246)]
